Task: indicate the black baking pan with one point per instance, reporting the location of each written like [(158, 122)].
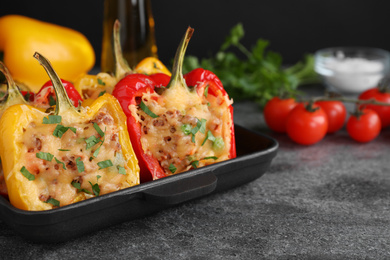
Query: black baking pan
[(254, 155)]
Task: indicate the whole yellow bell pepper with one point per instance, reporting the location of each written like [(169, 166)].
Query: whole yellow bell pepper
[(52, 160), (69, 51)]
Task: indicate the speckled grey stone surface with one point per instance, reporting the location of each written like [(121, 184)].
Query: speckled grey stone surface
[(326, 201)]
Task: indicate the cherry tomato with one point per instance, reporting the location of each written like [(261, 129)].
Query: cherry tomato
[(336, 113), (276, 112), (365, 126), (307, 125), (382, 96)]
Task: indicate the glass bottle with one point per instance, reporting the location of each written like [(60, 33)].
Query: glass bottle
[(136, 33)]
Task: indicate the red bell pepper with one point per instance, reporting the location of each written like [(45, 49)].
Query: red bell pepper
[(46, 95), (160, 79), (174, 127)]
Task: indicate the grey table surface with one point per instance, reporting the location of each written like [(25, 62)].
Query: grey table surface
[(330, 200)]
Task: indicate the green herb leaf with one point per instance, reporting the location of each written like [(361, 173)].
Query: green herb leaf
[(186, 129), (60, 130), (92, 141), (172, 168), (27, 174), (101, 82), (195, 164), (147, 110), (202, 128), (209, 136), (105, 164), (44, 156), (121, 170), (53, 202), (95, 187), (96, 152), (210, 157), (97, 128), (102, 93), (80, 165), (218, 144), (64, 150), (62, 163), (77, 185), (52, 119)]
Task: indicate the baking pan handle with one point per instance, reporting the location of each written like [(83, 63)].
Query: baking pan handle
[(182, 190)]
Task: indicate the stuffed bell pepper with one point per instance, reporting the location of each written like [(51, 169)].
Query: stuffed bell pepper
[(176, 127), (54, 159), (12, 97), (92, 86)]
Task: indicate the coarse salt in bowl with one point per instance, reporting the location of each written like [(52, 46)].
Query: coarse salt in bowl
[(351, 70)]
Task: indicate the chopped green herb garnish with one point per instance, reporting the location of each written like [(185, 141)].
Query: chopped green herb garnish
[(96, 152), (44, 156), (59, 131), (52, 119), (172, 168), (195, 164), (52, 101), (62, 163), (95, 187), (202, 128), (53, 202), (121, 170), (186, 129), (97, 128), (101, 82), (64, 150), (77, 185), (210, 157), (91, 141), (218, 144), (147, 110), (209, 136), (27, 174), (105, 164), (102, 93), (80, 164), (206, 90)]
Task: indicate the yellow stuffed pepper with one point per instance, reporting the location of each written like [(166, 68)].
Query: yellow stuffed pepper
[(92, 86), (52, 160)]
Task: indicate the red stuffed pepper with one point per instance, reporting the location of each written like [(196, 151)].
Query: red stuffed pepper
[(177, 128)]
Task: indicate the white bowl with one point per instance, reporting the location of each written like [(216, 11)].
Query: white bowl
[(352, 70)]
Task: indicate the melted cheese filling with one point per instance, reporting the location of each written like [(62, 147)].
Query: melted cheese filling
[(52, 180), (177, 108)]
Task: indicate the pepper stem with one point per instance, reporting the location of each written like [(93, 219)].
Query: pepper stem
[(63, 101), (14, 96), (122, 68), (177, 70)]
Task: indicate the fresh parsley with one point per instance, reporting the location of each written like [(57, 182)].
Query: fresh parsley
[(95, 187), (60, 130), (27, 174), (172, 168), (53, 202), (44, 156), (259, 75), (59, 162), (105, 164), (77, 185), (52, 119), (80, 165), (147, 110)]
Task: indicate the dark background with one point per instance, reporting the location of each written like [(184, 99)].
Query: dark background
[(292, 27)]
